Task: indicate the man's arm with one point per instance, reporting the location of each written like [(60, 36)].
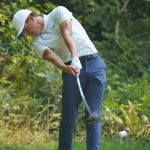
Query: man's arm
[(66, 32), (50, 56)]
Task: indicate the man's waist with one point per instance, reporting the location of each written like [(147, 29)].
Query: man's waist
[(85, 57), (89, 56)]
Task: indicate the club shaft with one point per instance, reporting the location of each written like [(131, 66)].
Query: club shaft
[(83, 96)]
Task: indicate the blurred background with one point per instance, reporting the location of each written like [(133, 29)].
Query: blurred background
[(30, 88)]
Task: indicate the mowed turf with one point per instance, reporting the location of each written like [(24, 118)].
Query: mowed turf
[(80, 146)]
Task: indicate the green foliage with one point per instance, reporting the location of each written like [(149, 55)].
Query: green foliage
[(30, 99), (125, 36), (126, 107), (30, 89), (36, 106)]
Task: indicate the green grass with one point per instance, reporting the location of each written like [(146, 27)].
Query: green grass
[(80, 146), (125, 146)]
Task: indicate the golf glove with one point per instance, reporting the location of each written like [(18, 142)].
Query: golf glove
[(76, 63)]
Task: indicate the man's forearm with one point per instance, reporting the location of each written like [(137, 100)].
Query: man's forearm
[(57, 61), (53, 58), (70, 44)]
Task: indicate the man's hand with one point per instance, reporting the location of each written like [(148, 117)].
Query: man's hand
[(70, 70), (76, 63)]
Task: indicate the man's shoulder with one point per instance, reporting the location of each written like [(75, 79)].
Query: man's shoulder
[(59, 8)]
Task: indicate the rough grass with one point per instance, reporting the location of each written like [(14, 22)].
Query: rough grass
[(80, 146)]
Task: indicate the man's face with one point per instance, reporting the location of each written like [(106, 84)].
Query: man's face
[(31, 26)]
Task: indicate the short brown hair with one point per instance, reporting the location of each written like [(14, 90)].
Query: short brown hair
[(33, 14)]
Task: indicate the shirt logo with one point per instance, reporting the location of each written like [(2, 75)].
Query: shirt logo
[(54, 26)]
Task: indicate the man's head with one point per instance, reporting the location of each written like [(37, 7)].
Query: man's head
[(28, 22)]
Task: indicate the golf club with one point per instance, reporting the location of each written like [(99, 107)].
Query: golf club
[(93, 117)]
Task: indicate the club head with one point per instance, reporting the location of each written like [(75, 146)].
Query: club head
[(92, 119)]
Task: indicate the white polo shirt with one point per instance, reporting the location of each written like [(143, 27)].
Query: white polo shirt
[(52, 38)]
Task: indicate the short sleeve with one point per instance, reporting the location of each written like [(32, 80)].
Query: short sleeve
[(40, 48), (61, 14)]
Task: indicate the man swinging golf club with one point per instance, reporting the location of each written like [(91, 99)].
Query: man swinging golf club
[(60, 39)]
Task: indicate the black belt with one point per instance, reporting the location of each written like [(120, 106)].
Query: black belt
[(90, 56)]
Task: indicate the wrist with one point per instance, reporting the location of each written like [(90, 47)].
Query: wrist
[(74, 55), (63, 67)]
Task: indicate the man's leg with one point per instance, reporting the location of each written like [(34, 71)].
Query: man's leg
[(94, 89), (94, 95), (70, 101)]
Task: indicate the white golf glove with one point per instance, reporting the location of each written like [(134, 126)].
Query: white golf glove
[(76, 63)]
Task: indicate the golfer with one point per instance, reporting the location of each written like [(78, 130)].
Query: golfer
[(60, 39)]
